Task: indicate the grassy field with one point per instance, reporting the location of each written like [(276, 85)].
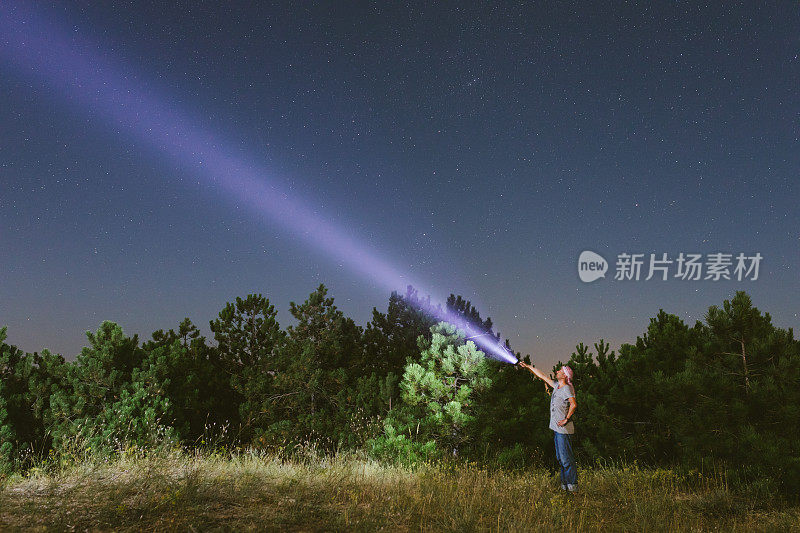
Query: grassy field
[(251, 491)]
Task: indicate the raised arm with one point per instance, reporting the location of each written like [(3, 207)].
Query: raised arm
[(538, 373)]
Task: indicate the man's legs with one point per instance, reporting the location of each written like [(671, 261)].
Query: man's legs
[(558, 458), (569, 474)]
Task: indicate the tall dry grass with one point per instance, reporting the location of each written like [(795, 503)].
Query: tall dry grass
[(176, 490)]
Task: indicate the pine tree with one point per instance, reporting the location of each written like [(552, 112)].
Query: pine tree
[(437, 397), (203, 402), (313, 393), (103, 403), (249, 340), (463, 314), (390, 340), (15, 416), (27, 384), (737, 326)]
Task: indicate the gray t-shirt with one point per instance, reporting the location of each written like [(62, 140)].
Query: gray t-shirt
[(559, 407)]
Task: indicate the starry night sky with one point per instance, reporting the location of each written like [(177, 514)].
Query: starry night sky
[(480, 148)]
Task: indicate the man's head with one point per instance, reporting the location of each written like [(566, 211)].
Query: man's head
[(565, 373)]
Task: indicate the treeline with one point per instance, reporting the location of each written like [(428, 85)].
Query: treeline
[(324, 380), (724, 391)]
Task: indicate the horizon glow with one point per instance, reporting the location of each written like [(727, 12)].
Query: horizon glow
[(74, 69)]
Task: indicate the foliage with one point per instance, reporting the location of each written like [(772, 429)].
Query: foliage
[(437, 394), (249, 343), (181, 367), (723, 393), (106, 399), (312, 392), (727, 391)]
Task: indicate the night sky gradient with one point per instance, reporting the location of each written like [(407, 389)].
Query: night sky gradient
[(475, 149)]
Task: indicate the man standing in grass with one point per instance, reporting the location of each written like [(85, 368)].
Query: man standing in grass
[(562, 407)]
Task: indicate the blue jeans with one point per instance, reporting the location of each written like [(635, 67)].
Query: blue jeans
[(569, 474)]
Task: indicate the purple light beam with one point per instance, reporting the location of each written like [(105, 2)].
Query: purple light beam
[(90, 80)]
